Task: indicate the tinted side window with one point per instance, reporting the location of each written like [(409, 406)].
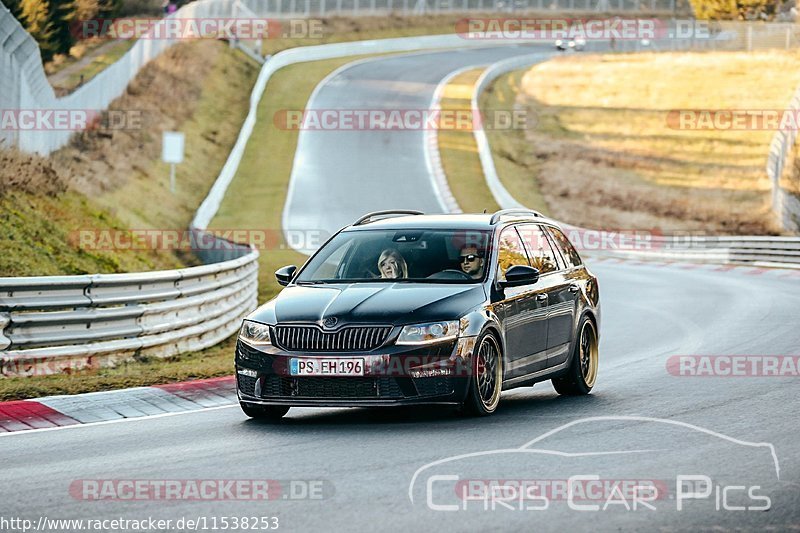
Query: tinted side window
[(510, 252), (567, 250), (539, 249)]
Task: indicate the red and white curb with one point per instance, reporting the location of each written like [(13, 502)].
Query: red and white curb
[(138, 402), (773, 272)]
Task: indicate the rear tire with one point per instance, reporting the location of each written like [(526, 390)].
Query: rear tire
[(486, 381), (264, 412), (582, 372)]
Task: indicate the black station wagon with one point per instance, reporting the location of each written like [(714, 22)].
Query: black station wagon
[(404, 308)]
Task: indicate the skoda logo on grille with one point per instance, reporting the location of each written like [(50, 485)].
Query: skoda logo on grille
[(329, 322)]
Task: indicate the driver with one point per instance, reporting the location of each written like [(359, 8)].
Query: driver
[(391, 264), (471, 262)]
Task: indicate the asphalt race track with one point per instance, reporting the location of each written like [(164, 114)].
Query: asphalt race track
[(352, 172), (388, 470)]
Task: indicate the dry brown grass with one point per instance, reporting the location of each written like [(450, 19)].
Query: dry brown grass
[(114, 179), (29, 173), (604, 156)]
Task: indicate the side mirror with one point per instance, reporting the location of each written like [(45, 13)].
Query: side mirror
[(520, 275), (285, 274)]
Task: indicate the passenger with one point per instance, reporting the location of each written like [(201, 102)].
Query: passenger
[(471, 262), (391, 264)]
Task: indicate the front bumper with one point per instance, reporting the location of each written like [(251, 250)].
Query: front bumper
[(394, 375)]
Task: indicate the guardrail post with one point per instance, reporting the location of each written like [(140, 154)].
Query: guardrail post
[(749, 37), (4, 321)]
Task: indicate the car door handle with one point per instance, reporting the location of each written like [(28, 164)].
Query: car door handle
[(574, 288), (541, 297)]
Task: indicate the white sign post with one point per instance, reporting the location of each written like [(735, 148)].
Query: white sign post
[(172, 153)]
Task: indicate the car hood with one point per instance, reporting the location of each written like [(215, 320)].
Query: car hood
[(375, 303)]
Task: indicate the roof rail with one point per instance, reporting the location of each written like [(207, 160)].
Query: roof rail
[(515, 210), (369, 216)]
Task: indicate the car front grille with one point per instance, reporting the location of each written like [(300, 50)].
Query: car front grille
[(312, 338), (330, 387)]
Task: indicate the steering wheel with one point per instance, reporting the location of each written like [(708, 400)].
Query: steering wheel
[(450, 273)]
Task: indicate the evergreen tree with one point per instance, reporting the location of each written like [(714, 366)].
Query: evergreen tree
[(735, 9), (13, 6), (35, 16), (61, 15)]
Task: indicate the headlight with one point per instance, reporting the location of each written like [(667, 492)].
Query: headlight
[(255, 334), (428, 333)]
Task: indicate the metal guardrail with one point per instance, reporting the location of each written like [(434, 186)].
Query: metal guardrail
[(60, 323), (784, 204), (783, 252)]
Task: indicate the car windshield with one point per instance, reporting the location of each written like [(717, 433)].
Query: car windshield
[(403, 255)]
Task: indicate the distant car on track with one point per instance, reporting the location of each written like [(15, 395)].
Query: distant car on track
[(402, 308), (577, 44)]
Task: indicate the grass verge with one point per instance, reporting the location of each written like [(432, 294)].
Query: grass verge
[(112, 180), (257, 194), (458, 151), (212, 362), (604, 154)]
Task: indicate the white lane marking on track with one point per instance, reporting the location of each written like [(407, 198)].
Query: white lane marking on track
[(430, 148), (118, 421)]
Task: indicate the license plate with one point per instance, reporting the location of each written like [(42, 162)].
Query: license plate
[(326, 367)]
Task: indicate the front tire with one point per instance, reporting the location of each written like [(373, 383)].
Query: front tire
[(486, 381), (264, 412), (582, 372)]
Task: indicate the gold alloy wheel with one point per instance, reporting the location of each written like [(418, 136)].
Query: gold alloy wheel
[(589, 353), (489, 373)]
